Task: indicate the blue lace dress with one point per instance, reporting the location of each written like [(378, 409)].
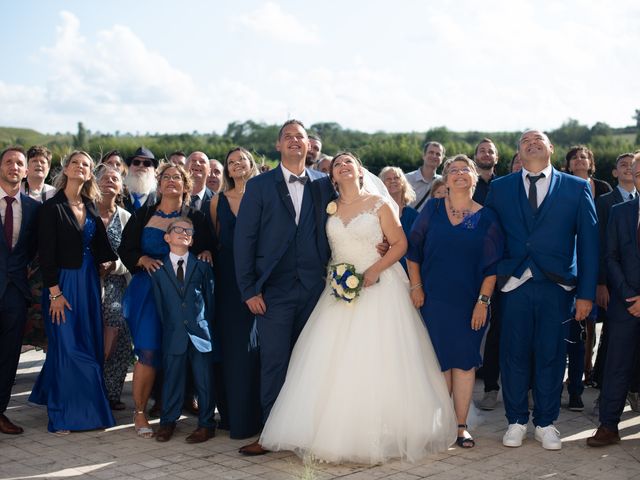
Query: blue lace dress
[(71, 381), (454, 261), (138, 306)]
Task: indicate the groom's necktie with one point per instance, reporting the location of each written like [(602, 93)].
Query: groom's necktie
[(533, 191), (294, 178)]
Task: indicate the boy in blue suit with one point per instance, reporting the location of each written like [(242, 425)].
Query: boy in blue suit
[(183, 291)]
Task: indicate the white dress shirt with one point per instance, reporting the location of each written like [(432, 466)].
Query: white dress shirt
[(17, 214), (174, 262), (296, 190), (625, 194)]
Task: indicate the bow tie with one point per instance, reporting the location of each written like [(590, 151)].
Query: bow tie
[(294, 178)]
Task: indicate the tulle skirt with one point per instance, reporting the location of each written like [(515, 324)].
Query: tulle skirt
[(363, 384)]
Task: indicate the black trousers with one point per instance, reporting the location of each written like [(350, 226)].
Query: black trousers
[(13, 316)]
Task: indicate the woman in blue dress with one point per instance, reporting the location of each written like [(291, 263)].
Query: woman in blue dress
[(72, 242), (454, 247), (234, 321), (141, 249)]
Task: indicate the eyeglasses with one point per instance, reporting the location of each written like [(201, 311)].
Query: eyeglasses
[(175, 178), (136, 163), (186, 230), (457, 171)]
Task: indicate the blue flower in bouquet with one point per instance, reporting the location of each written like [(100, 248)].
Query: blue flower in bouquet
[(346, 282)]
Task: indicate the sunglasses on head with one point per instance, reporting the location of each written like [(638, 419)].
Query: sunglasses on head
[(147, 163)]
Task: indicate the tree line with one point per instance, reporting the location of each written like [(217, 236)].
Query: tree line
[(375, 149)]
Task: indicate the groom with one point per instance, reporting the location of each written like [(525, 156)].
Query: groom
[(281, 254)]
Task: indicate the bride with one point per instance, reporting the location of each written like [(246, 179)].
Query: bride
[(363, 383)]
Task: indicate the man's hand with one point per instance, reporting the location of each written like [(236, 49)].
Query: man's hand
[(382, 247), (635, 308), (583, 308), (256, 305), (602, 296)]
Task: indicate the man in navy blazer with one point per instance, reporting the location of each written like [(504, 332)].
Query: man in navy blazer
[(624, 191), (551, 256), (183, 292), (281, 254), (18, 244), (623, 315)]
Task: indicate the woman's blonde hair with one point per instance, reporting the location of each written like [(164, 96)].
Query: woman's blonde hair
[(90, 188), (408, 193)]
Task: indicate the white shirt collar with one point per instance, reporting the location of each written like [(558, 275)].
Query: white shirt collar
[(288, 173), (547, 172), (16, 196), (200, 194), (174, 259)]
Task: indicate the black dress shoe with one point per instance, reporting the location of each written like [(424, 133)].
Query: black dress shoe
[(8, 427), (575, 403), (165, 432), (117, 405), (604, 436)]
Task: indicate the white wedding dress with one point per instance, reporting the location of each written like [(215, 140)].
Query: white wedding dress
[(364, 384)]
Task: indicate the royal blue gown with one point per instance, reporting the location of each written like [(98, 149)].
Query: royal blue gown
[(138, 305), (454, 261), (71, 382), (234, 322)]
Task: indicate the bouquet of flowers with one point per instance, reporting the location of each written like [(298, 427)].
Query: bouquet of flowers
[(346, 283)]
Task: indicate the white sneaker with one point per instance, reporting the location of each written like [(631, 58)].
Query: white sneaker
[(514, 436), (549, 436)]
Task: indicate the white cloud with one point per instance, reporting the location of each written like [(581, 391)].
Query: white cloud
[(272, 21)]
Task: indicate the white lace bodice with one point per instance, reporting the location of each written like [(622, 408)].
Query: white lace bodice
[(354, 241)]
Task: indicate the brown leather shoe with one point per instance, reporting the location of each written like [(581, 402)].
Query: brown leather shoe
[(253, 449), (8, 427), (201, 434), (603, 437), (165, 432)]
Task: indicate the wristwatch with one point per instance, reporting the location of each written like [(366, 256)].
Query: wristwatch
[(484, 299)]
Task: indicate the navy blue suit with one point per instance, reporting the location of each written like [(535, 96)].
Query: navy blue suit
[(559, 244), (185, 309), (284, 262), (623, 329), (15, 295)]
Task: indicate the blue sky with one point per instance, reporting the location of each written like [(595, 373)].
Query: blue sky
[(171, 66)]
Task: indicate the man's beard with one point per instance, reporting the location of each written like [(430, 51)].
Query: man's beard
[(141, 183)]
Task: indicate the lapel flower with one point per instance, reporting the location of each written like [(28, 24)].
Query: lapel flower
[(332, 207)]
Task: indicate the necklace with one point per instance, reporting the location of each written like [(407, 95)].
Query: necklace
[(174, 214), (76, 204), (459, 213)]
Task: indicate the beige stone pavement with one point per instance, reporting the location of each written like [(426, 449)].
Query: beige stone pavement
[(119, 454)]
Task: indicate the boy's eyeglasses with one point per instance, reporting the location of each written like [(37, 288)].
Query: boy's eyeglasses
[(186, 230)]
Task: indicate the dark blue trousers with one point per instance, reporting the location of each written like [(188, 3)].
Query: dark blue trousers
[(532, 339), (13, 315), (288, 308), (173, 385), (623, 337)]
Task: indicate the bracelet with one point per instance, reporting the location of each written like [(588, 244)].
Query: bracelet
[(413, 287), (54, 297)]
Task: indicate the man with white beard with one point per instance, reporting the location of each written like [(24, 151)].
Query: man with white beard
[(140, 180)]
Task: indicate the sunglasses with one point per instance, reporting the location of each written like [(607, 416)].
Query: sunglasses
[(136, 163), (185, 230)]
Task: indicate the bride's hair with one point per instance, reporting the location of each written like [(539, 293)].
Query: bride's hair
[(348, 154)]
